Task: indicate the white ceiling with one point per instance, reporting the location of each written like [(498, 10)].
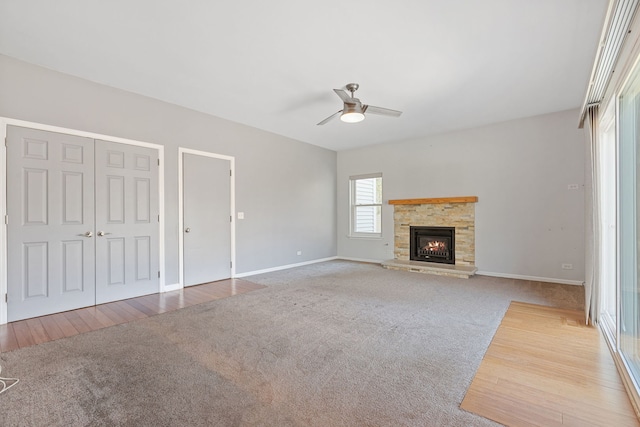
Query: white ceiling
[(447, 64)]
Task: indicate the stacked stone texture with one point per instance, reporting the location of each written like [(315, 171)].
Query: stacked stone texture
[(458, 215)]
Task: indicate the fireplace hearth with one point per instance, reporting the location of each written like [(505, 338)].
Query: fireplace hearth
[(432, 244)]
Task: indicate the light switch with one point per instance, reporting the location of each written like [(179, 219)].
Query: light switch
[(240, 215)]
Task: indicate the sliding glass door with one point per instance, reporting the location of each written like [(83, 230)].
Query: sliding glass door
[(608, 243), (628, 199)]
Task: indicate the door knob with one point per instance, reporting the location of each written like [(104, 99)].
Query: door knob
[(87, 234), (187, 230), (102, 233)]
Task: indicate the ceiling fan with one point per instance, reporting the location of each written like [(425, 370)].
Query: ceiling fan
[(353, 110)]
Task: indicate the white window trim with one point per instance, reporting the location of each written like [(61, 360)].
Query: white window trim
[(352, 206)]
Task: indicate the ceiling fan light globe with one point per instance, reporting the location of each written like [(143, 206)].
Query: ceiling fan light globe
[(352, 117)]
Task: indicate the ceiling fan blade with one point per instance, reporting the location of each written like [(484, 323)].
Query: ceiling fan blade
[(329, 118), (343, 95), (381, 111)]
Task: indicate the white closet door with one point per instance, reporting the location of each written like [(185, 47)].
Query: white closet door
[(51, 251), (207, 219), (127, 230)]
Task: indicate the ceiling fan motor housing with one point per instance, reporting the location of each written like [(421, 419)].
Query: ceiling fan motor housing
[(353, 108)]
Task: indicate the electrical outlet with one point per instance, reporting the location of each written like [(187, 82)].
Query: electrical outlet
[(240, 215), (573, 186), (567, 266), (299, 252)]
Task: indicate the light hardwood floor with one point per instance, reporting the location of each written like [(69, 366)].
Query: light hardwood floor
[(25, 333), (545, 367)]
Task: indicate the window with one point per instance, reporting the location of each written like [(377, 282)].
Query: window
[(629, 222), (366, 205), (606, 175)]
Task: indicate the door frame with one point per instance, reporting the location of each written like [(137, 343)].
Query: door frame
[(232, 208), (4, 123)]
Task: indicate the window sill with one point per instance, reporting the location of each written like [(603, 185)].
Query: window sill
[(364, 237)]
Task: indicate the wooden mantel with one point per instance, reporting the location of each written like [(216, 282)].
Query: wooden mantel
[(463, 199)]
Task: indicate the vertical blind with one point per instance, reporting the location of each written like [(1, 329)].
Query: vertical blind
[(616, 29)]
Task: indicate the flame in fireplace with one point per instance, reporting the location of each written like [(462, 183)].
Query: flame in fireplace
[(435, 246)]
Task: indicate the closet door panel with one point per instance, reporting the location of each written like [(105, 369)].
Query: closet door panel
[(127, 245), (51, 251)]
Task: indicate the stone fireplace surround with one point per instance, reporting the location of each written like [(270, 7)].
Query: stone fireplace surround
[(458, 212)]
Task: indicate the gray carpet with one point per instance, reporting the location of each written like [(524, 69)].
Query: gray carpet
[(331, 344)]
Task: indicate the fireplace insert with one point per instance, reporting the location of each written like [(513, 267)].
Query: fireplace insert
[(433, 244)]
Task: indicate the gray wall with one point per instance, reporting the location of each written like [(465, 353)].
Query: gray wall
[(287, 189), (527, 221)]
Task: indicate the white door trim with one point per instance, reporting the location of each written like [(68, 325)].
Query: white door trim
[(4, 122), (232, 200)]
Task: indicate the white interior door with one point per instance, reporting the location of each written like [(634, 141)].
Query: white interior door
[(83, 222), (206, 218), (127, 244), (51, 251)]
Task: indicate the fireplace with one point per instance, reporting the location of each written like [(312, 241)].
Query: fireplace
[(433, 244)]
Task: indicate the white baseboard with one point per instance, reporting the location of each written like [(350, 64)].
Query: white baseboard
[(372, 261), (533, 278), (377, 261), (284, 267), (172, 287)]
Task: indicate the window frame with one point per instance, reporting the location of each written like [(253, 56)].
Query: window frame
[(353, 207), (628, 131), (606, 170)]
